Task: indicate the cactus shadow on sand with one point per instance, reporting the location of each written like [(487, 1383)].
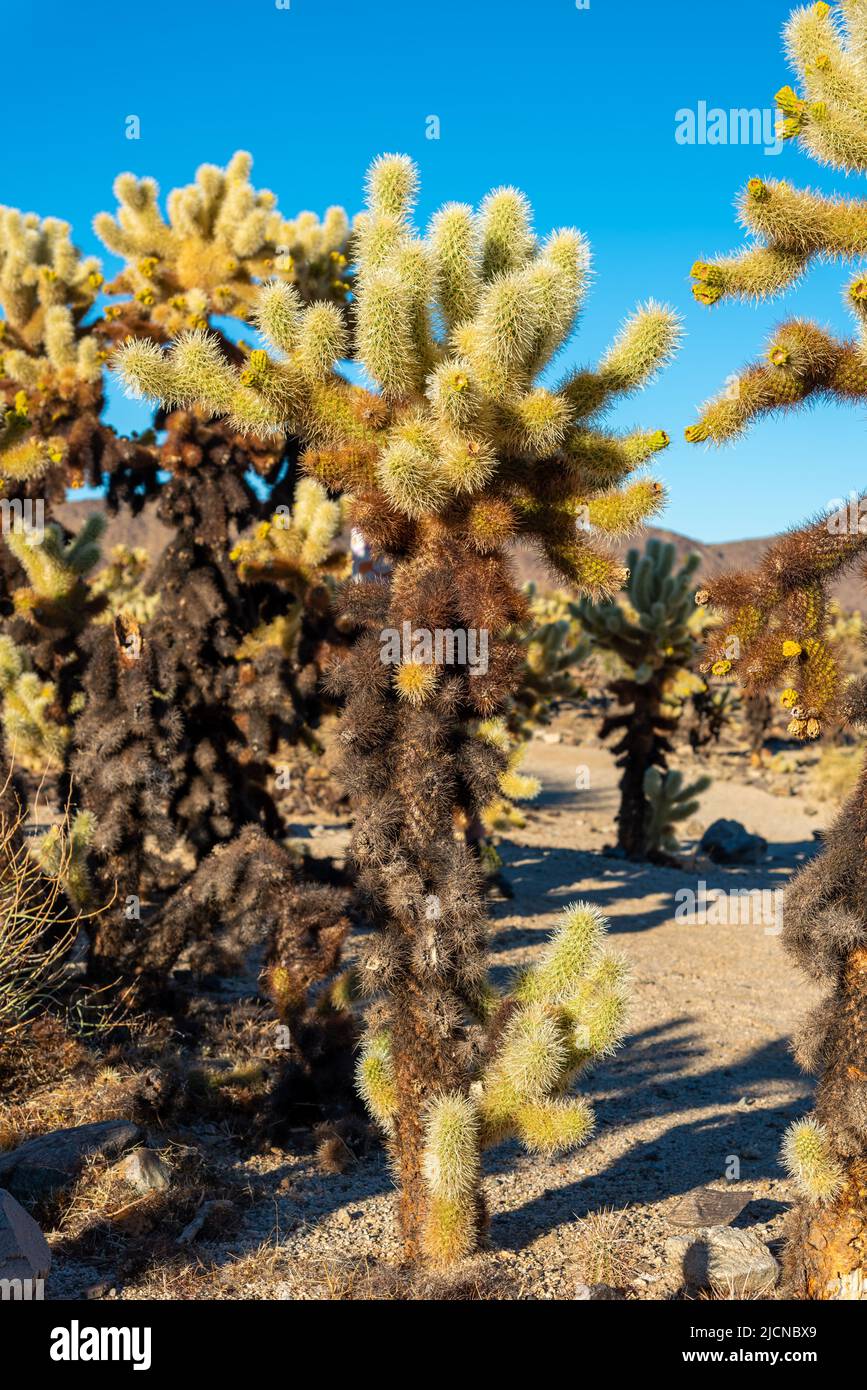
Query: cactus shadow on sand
[(652, 1081)]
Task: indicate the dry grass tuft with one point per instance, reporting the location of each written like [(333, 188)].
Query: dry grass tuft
[(36, 932), (604, 1252)]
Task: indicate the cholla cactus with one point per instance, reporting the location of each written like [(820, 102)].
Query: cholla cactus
[(461, 406), (279, 700), (62, 853), (556, 1019), (222, 237), (53, 610), (57, 596), (53, 346), (775, 634), (203, 615), (458, 452), (554, 646), (128, 771), (824, 918), (795, 228), (809, 1158), (669, 801), (653, 634), (121, 583), (50, 359), (293, 546), (36, 740)]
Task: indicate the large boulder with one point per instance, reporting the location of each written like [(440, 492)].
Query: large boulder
[(728, 842), (730, 1261), (24, 1252), (42, 1167)]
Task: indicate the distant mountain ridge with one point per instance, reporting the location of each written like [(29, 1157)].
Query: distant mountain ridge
[(850, 590), (147, 530)]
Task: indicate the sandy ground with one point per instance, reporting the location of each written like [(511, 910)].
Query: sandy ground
[(699, 1094)]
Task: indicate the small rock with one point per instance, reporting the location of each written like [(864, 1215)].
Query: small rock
[(145, 1171), (41, 1167), (102, 1289), (735, 1262), (709, 1207), (728, 842), (24, 1252)]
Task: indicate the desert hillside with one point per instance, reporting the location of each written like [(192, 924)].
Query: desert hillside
[(146, 530)]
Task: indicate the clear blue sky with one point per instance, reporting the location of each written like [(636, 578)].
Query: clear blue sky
[(575, 106)]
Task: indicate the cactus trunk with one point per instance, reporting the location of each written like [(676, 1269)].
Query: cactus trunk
[(424, 887), (423, 1069), (831, 1253), (639, 752), (827, 1251)]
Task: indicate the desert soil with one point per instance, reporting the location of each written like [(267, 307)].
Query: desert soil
[(699, 1095)]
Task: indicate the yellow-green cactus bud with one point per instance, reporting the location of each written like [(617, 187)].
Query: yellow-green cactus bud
[(809, 1157)]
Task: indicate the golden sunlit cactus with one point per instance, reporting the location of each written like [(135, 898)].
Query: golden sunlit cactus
[(33, 735), (57, 595), (222, 237), (62, 853), (50, 358), (459, 450), (294, 545), (795, 228), (774, 628), (809, 1158), (469, 426), (557, 1018)]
